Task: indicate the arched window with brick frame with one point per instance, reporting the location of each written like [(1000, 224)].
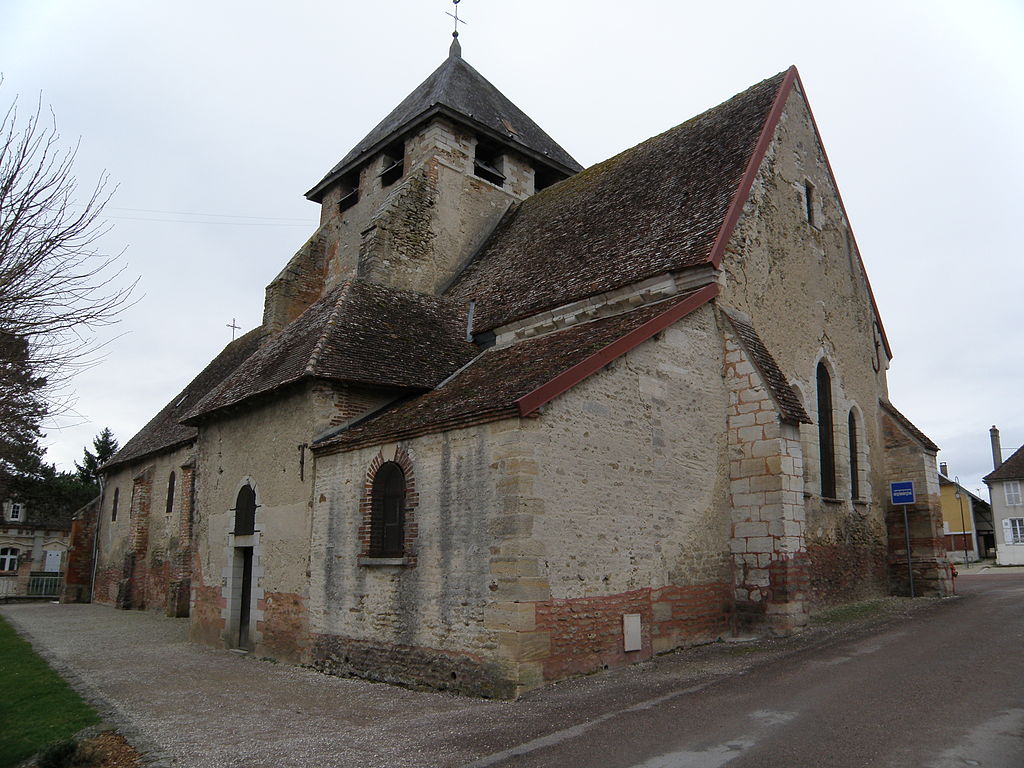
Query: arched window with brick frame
[(826, 434), (387, 523)]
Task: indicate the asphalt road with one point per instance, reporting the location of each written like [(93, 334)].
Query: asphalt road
[(936, 684), (943, 690)]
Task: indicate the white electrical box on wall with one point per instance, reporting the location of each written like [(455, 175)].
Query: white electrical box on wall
[(631, 637)]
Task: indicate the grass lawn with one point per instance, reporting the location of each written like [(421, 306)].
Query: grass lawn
[(36, 707)]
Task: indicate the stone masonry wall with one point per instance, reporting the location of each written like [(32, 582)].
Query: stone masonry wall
[(266, 447), (802, 285), (419, 621), (142, 557), (418, 231), (766, 474), (622, 490), (298, 285), (78, 570), (905, 460)]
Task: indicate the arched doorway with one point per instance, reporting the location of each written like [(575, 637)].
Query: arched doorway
[(244, 529)]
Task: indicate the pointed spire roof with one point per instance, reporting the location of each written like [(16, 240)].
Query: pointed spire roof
[(457, 90)]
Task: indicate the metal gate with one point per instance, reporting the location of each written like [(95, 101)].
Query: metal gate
[(44, 584)]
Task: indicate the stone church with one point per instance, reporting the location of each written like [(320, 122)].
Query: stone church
[(508, 420)]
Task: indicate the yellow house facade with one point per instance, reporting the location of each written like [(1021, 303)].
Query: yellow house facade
[(966, 521)]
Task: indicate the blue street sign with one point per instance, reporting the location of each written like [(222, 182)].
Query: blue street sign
[(902, 492)]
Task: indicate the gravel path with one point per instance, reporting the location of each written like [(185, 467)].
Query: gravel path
[(183, 704)]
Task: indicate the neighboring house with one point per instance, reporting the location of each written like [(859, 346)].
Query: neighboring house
[(966, 520), (1006, 489), (508, 420), (32, 551)]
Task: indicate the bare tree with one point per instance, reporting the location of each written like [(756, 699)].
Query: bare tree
[(56, 287)]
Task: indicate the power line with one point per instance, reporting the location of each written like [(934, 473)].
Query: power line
[(192, 213), (269, 223)]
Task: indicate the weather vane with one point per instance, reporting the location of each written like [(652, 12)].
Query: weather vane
[(456, 17), (233, 328)]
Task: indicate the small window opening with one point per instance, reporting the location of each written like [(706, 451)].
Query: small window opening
[(15, 511), (826, 434), (349, 190), (387, 529), (854, 465), (393, 165), (170, 493), (113, 508), (545, 177), (809, 202), (486, 163), (245, 511)]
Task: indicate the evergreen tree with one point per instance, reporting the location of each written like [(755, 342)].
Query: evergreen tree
[(105, 446), (22, 409)]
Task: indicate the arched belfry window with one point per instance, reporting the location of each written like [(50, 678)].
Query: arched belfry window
[(245, 511), (387, 529), (826, 434)]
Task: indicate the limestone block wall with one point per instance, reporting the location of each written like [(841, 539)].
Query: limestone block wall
[(799, 278), (624, 509), (142, 557), (768, 515)]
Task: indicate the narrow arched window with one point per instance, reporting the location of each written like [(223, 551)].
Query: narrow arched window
[(245, 511), (113, 508), (826, 434), (170, 493), (387, 529), (854, 461)]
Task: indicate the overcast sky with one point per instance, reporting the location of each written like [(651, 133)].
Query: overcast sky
[(215, 117)]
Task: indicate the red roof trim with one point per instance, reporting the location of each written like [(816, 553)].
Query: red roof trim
[(743, 191), (568, 379)]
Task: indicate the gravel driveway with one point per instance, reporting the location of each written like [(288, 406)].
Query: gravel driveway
[(188, 705)]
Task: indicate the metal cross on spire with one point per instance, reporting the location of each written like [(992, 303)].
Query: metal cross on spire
[(233, 328), (456, 17)]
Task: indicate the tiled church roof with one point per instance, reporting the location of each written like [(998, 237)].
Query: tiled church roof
[(164, 430), (489, 388), (1011, 469), (789, 403), (456, 88), (359, 332), (908, 425), (655, 208)]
